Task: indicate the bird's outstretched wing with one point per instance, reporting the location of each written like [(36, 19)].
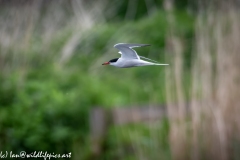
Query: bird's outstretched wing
[(148, 59), (142, 57), (126, 50)]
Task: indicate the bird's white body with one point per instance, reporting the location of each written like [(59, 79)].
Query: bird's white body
[(126, 63), (129, 57)]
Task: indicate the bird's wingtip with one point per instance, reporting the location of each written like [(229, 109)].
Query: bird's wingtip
[(118, 44), (131, 45)]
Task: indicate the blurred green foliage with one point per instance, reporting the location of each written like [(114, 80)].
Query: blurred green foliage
[(148, 141), (44, 105)]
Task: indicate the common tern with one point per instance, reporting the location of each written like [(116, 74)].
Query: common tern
[(129, 57)]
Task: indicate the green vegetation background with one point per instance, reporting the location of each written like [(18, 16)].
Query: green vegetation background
[(44, 105)]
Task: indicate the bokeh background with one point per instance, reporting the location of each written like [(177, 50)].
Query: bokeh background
[(51, 78)]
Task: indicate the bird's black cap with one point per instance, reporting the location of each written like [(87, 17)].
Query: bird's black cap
[(114, 60)]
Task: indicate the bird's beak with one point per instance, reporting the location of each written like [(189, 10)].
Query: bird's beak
[(106, 63)]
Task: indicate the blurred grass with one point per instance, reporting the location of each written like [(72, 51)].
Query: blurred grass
[(136, 141)]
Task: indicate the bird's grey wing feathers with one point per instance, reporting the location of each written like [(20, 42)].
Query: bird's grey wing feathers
[(142, 57), (126, 50), (131, 45), (148, 59)]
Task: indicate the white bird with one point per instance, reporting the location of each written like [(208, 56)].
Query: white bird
[(129, 57)]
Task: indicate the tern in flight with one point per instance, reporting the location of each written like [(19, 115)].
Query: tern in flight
[(129, 57)]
